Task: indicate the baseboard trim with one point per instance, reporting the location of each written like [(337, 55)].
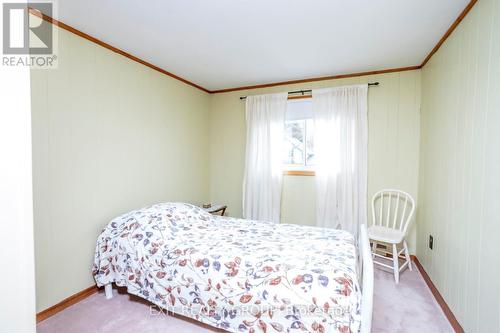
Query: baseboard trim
[(73, 299), (67, 302), (439, 298)]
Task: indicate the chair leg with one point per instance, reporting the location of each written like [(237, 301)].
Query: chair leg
[(395, 262), (374, 248), (407, 255)]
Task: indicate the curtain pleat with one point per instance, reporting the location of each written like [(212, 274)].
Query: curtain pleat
[(341, 146), (265, 118)]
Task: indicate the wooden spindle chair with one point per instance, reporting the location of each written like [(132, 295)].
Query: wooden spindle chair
[(392, 212)]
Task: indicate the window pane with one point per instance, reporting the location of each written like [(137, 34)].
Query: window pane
[(310, 160), (294, 142), (299, 109)]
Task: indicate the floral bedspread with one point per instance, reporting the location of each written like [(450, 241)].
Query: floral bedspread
[(235, 274)]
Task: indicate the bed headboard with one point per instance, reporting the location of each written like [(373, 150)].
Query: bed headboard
[(366, 278)]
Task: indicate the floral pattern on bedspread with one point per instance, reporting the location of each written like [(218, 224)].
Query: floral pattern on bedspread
[(235, 274)]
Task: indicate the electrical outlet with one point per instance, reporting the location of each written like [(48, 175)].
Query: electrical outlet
[(431, 242)]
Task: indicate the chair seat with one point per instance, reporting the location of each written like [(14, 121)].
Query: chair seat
[(384, 234)]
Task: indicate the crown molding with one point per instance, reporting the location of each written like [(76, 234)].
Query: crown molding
[(77, 32), (447, 34), (322, 78), (112, 48), (450, 30)]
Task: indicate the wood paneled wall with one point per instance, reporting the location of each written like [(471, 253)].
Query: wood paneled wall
[(460, 169), (394, 129)]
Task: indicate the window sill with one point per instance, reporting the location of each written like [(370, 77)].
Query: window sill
[(299, 173)]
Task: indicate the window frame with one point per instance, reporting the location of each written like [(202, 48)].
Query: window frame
[(300, 169)]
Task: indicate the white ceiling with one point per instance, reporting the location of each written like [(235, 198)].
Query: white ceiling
[(230, 43)]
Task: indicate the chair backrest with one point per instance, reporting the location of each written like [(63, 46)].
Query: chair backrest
[(392, 209)]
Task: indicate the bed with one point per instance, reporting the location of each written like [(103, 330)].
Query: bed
[(238, 275)]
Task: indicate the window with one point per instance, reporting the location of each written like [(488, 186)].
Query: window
[(299, 136)]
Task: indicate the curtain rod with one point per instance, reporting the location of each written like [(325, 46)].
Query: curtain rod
[(374, 84)]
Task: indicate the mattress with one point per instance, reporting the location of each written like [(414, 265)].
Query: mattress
[(235, 274)]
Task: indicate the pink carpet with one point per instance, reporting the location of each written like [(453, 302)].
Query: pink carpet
[(405, 308)]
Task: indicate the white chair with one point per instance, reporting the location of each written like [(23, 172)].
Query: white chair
[(392, 212)]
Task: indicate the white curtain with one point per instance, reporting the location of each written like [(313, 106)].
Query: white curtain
[(341, 147), (265, 117)]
